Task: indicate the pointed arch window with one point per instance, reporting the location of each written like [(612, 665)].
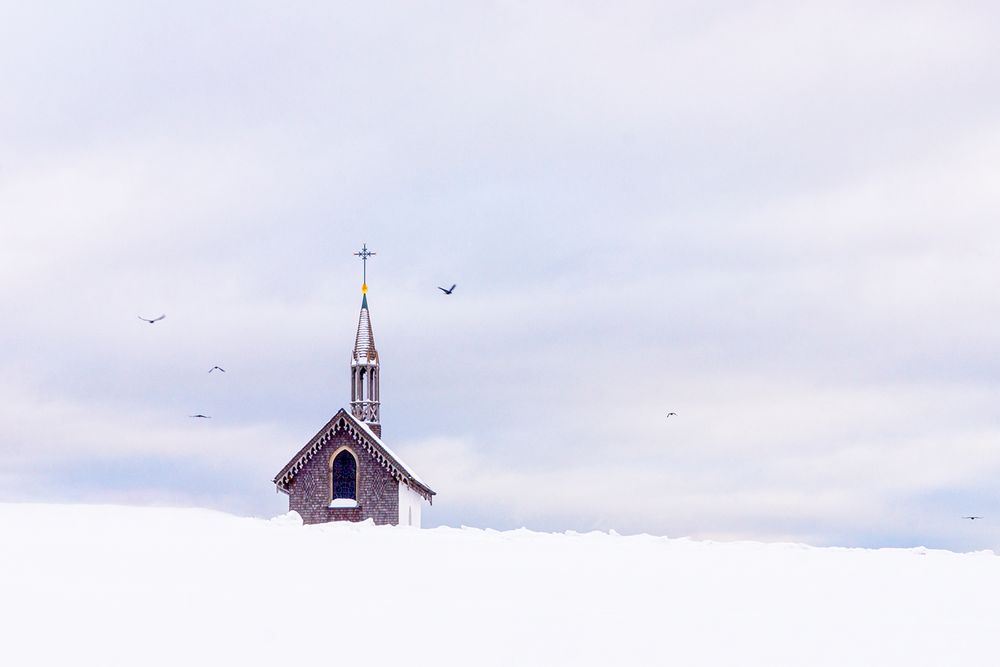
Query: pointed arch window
[(344, 480)]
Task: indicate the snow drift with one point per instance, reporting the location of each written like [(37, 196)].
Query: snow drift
[(138, 586)]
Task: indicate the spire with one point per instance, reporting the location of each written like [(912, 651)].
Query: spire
[(364, 361), (364, 343)]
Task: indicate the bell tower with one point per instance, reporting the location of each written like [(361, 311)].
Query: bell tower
[(365, 400)]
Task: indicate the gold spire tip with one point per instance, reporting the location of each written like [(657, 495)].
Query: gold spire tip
[(364, 288)]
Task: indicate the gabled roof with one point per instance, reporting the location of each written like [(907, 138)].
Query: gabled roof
[(364, 343), (367, 440)]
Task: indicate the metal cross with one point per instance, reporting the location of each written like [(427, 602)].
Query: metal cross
[(364, 254)]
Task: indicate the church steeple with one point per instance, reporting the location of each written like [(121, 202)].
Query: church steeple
[(364, 361), (345, 472)]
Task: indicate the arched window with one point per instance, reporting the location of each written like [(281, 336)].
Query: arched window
[(344, 472)]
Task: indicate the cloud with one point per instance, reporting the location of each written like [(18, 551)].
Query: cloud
[(825, 464), (775, 220)]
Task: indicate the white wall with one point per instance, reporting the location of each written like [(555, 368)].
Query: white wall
[(410, 503)]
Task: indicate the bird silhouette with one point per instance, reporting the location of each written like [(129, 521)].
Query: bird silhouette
[(972, 518), (671, 414), (449, 290), (152, 321), (199, 416), (216, 368)]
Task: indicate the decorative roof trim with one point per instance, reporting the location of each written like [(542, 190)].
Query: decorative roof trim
[(366, 440)]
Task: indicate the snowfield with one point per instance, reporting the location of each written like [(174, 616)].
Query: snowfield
[(98, 585)]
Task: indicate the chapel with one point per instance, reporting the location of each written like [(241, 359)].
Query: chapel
[(346, 472)]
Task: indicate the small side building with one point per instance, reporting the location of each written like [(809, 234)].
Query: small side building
[(346, 472)]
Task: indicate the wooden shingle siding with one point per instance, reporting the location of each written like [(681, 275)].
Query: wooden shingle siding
[(377, 492)]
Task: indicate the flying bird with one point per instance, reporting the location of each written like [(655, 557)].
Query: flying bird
[(199, 416), (216, 368), (671, 414), (152, 321), (972, 518), (449, 290)]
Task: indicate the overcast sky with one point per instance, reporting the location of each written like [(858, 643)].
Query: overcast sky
[(778, 220)]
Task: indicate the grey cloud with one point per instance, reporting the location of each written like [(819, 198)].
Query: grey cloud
[(776, 220)]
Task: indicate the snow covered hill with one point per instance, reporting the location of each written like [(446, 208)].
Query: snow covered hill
[(94, 585)]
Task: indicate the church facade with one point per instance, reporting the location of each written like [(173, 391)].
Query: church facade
[(346, 472)]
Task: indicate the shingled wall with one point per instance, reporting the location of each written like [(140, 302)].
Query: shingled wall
[(377, 491)]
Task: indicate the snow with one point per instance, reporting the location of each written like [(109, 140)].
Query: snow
[(292, 518), (343, 502), (102, 585)]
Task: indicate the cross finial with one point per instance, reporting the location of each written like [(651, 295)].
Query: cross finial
[(364, 254)]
